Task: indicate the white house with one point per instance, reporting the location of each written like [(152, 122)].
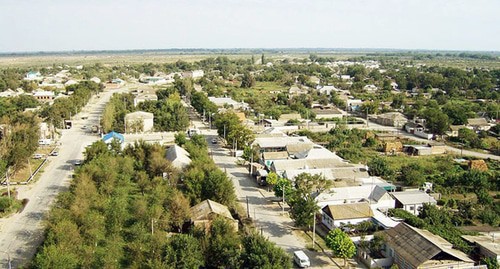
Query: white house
[(33, 75), (376, 196), (339, 215), (178, 156), (44, 96), (227, 101), (139, 121), (145, 97), (412, 201), (193, 74)]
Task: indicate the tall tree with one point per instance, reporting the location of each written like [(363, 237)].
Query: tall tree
[(340, 244)]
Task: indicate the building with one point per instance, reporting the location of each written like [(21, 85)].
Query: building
[(295, 91), (143, 97), (96, 80), (339, 215), (395, 119), (193, 74), (178, 156), (488, 244), (478, 124), (228, 102), (453, 132), (417, 129), (327, 113), (109, 137), (44, 96), (411, 248), (205, 212), (327, 90), (423, 150), (272, 144), (33, 75), (376, 196), (412, 201), (138, 122)]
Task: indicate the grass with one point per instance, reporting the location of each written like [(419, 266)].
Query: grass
[(23, 174)]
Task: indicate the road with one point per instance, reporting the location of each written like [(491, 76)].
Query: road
[(267, 215), (22, 233)]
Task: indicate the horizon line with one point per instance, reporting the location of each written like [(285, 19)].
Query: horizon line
[(260, 50)]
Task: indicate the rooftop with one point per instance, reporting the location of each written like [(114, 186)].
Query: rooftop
[(348, 211), (203, 209), (413, 197)]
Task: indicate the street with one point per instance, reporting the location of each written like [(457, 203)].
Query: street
[(22, 233), (267, 215)]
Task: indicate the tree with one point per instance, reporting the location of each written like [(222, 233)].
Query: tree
[(340, 243), (379, 167), (248, 81), (412, 174), (272, 178), (258, 252), (183, 251), (223, 245), (436, 121), (302, 203)]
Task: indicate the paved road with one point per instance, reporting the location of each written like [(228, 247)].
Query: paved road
[(267, 215), (22, 233)]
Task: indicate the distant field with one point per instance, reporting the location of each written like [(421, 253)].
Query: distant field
[(158, 57)]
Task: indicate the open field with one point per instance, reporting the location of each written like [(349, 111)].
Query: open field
[(157, 57)]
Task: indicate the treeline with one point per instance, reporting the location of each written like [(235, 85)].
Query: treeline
[(169, 113), (126, 209), (65, 108)]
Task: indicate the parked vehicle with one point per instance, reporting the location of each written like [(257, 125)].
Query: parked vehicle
[(54, 153), (301, 259), (214, 141), (38, 156), (44, 142)]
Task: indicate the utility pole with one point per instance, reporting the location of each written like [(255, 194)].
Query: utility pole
[(248, 209), (251, 160), (314, 229), (283, 203), (8, 181)]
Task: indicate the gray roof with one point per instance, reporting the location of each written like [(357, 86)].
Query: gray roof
[(413, 197), (178, 156), (203, 210), (418, 246), (139, 115), (348, 211)]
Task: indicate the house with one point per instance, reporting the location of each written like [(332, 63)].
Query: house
[(205, 212), (178, 156), (139, 121), (314, 80), (228, 102), (488, 244), (395, 119), (154, 80), (345, 77), (109, 137), (327, 89), (33, 75), (70, 82), (44, 96), (193, 74), (290, 116), (417, 129), (375, 195), (96, 80), (143, 97), (412, 201), (423, 150), (269, 157), (341, 214), (478, 124), (453, 132), (370, 88), (295, 91), (8, 93), (392, 147), (327, 113), (282, 166), (354, 104), (411, 248), (270, 144)]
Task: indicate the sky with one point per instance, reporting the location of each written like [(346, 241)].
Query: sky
[(68, 25)]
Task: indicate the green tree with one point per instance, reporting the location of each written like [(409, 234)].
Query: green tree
[(379, 167), (436, 121), (247, 81), (340, 244), (258, 252), (183, 251), (223, 245)]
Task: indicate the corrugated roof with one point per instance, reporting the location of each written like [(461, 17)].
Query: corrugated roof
[(281, 142), (413, 197), (278, 155), (282, 165), (139, 115), (202, 210), (348, 211), (178, 156), (418, 246), (478, 122)]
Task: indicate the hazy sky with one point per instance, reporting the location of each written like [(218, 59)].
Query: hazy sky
[(53, 25)]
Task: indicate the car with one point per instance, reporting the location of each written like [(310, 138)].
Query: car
[(37, 156), (84, 127), (214, 141), (77, 162), (54, 153), (301, 259)]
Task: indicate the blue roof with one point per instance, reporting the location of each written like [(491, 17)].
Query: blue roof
[(113, 135)]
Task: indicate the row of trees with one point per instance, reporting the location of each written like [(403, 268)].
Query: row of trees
[(126, 209)]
